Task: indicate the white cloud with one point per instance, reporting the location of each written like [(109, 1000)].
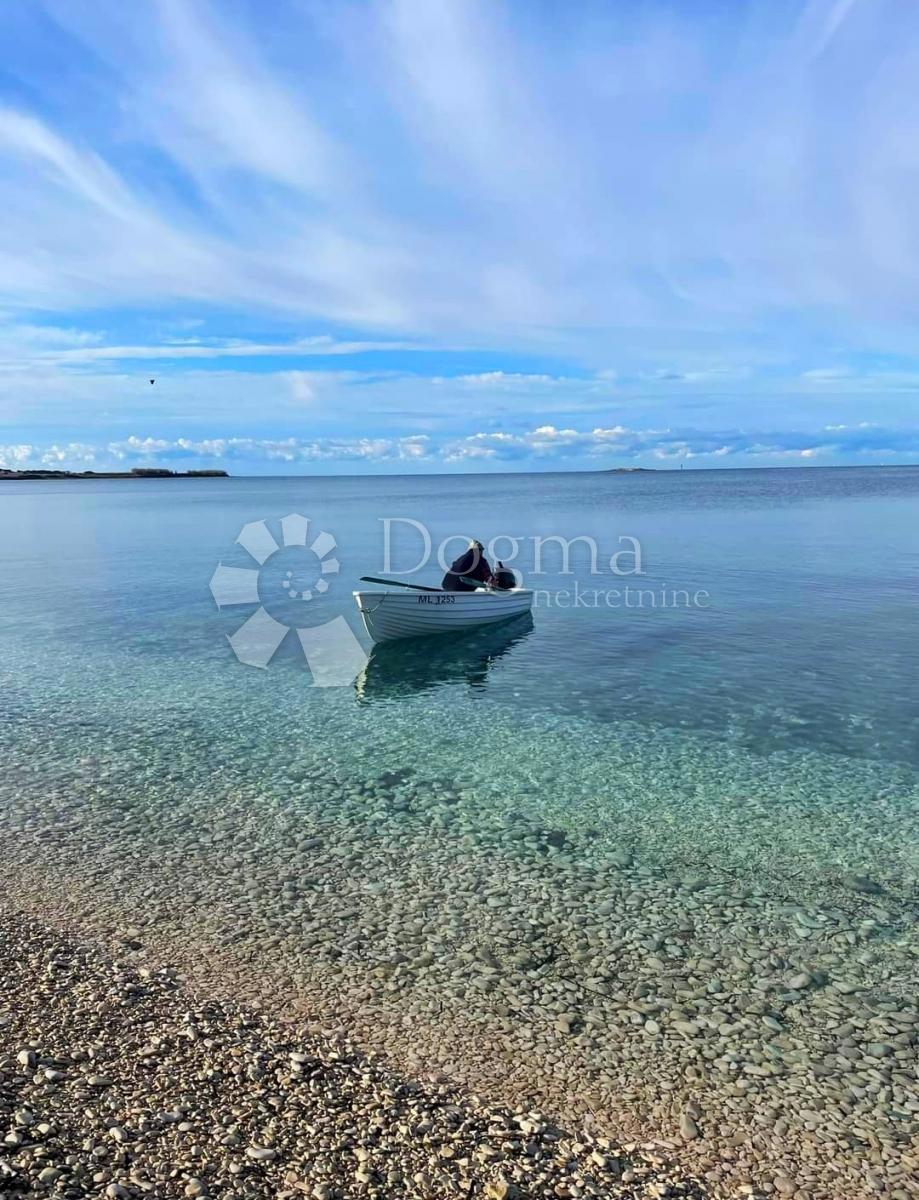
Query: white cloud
[(301, 386), (151, 450), (537, 447), (497, 381)]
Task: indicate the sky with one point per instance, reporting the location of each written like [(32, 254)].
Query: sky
[(451, 235)]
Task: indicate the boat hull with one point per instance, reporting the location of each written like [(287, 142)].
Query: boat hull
[(388, 616)]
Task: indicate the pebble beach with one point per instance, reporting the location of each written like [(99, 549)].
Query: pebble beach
[(116, 1080)]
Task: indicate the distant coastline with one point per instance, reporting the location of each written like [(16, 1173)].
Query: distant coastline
[(136, 473)]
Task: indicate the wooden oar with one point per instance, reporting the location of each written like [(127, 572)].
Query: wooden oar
[(416, 587)]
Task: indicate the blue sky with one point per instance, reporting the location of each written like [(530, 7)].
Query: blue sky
[(434, 235)]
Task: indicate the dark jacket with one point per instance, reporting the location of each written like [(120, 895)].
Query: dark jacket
[(471, 564)]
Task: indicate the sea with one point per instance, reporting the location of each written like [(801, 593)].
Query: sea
[(759, 628)]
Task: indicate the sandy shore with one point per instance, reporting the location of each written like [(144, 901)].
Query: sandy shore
[(118, 1079)]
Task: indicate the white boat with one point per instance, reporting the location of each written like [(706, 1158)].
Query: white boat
[(413, 612)]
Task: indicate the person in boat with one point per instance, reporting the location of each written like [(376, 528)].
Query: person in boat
[(471, 564), (504, 578)]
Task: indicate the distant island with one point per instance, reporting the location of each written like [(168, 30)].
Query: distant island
[(627, 470), (135, 473)]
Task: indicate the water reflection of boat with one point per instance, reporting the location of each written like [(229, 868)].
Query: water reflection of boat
[(402, 668)]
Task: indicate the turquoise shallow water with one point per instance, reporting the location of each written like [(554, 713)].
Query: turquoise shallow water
[(793, 680)]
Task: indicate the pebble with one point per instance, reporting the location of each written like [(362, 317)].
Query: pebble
[(879, 1049), (861, 883), (501, 1190), (261, 1153), (689, 1130), (799, 982)]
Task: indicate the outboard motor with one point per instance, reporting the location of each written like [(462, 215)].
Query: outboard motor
[(504, 578)]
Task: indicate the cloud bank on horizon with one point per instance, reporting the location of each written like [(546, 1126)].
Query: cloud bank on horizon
[(458, 234)]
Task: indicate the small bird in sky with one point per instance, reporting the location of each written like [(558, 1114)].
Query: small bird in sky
[(153, 381)]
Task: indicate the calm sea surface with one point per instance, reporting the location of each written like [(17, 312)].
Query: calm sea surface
[(804, 639), (795, 662)]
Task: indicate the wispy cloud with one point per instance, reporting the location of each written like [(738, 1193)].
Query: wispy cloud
[(680, 207), (460, 165), (69, 347)]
